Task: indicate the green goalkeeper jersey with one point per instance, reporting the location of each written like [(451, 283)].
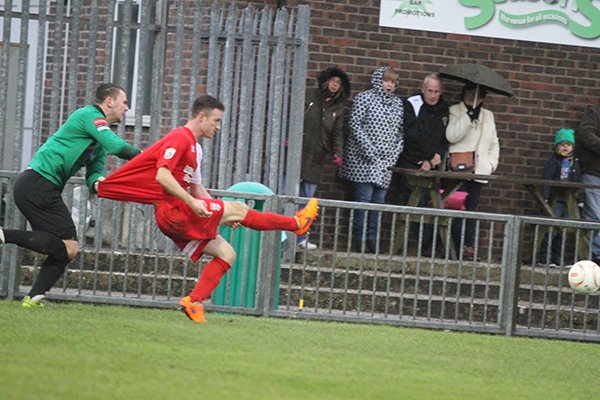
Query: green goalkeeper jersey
[(83, 141)]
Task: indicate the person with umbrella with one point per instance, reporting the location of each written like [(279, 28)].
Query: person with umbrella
[(471, 128)]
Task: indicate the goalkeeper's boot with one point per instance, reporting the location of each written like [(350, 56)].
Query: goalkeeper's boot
[(193, 310), (306, 216), (35, 302)]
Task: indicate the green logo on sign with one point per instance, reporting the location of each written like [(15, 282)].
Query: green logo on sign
[(487, 10)]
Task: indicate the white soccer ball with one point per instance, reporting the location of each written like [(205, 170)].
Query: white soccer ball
[(584, 277)]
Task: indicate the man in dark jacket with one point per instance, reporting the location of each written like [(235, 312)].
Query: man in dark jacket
[(587, 137), (323, 140), (425, 121)]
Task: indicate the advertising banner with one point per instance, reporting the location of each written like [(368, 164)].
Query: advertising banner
[(570, 22)]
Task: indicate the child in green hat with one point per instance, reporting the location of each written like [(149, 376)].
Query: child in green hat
[(562, 166)]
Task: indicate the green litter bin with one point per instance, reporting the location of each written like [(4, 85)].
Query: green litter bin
[(238, 286)]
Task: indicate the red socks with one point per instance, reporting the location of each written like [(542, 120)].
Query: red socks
[(213, 271), (264, 221), (209, 279)]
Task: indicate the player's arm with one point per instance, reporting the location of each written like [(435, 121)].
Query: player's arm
[(95, 172), (166, 179), (101, 132), (198, 190)]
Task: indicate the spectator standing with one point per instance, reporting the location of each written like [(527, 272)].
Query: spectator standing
[(425, 145), (374, 144), (323, 140), (82, 141), (472, 128), (588, 152), (562, 166), (425, 121)]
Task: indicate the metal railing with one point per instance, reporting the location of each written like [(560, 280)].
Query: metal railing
[(164, 53), (124, 259)]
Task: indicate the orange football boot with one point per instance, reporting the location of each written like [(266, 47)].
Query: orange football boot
[(306, 216), (194, 311)]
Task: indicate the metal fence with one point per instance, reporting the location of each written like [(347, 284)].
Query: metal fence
[(503, 291), (164, 53)]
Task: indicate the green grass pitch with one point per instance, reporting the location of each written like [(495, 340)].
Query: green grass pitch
[(84, 351)]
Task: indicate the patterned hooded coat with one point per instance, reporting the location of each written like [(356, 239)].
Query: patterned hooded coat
[(376, 136)]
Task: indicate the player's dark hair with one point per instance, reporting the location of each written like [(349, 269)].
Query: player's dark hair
[(107, 90), (206, 104)]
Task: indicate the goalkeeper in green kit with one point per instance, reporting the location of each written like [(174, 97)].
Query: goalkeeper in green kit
[(83, 141)]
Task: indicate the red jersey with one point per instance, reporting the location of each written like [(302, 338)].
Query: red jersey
[(136, 180)]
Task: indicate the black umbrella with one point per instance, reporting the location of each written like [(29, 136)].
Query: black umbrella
[(480, 75)]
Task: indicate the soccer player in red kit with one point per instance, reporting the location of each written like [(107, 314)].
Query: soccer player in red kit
[(167, 174)]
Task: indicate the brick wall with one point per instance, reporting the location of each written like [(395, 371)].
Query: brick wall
[(553, 83)]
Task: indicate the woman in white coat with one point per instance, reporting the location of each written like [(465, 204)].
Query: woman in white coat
[(472, 128)]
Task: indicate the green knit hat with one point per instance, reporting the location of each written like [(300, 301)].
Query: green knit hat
[(565, 135)]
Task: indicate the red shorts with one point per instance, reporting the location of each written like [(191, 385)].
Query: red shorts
[(190, 232)]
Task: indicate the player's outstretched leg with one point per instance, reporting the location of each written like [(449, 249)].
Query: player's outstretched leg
[(306, 216), (266, 221)]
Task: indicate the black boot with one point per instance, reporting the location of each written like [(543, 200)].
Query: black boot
[(371, 246), (358, 246)]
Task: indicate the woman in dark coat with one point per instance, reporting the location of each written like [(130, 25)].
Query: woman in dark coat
[(323, 140)]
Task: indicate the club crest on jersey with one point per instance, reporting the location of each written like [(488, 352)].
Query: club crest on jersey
[(101, 124), (169, 153), (100, 121), (193, 148), (214, 207)]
